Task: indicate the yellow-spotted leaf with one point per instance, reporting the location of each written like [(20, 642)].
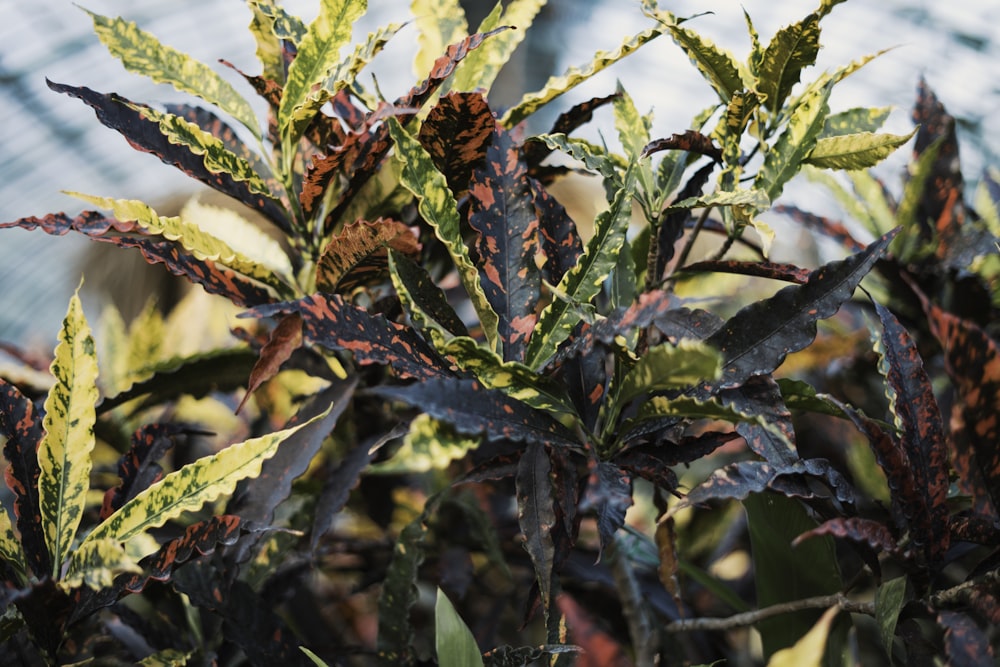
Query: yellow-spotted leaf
[(192, 486), (719, 67), (215, 155), (855, 151), (10, 547), (439, 23), (437, 205), (480, 68), (96, 563), (429, 445), (170, 657), (145, 347), (64, 452), (318, 55), (751, 198), (200, 244), (269, 26), (852, 121), (142, 53), (574, 76)]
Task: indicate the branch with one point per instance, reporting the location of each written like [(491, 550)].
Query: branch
[(750, 617)]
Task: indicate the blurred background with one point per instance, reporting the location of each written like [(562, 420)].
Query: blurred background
[(50, 142)]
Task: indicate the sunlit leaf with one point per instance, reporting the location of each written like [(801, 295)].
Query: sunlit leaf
[(438, 23), (429, 445), (96, 563), (481, 68), (792, 48), (457, 133), (853, 121), (808, 651), (11, 552), (359, 253), (855, 151), (784, 159), (455, 645), (717, 65)]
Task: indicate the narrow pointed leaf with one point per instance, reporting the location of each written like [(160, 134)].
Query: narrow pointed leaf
[(399, 593), (192, 486), (757, 339), (11, 552), (608, 495), (784, 159), (318, 53), (263, 29), (96, 563), (455, 645), (560, 241), (64, 452), (557, 85), (855, 151), (762, 269), (791, 49), (889, 599), (873, 533), (716, 64), (583, 282), (536, 515), (690, 141), (425, 302), (594, 157), (752, 198), (853, 121), (358, 255), (941, 206), (22, 431), (474, 410), (438, 23), (439, 208), (284, 339), (138, 468), (141, 53), (480, 70), (501, 211)]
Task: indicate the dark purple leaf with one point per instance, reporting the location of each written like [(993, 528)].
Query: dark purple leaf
[(138, 467), (875, 534), (739, 480), (672, 224), (761, 396), (609, 495), (426, 295), (536, 151), (965, 643), (689, 141), (536, 514), (560, 241), (775, 271)]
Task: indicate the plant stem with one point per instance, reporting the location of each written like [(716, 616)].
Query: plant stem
[(686, 250), (750, 617)]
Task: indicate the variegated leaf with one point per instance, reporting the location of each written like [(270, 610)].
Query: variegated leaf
[(756, 199), (717, 65), (191, 487), (269, 51), (439, 23), (583, 281), (430, 444), (855, 151), (792, 48), (592, 156), (439, 209), (64, 452), (557, 85), (457, 133), (10, 548), (425, 303), (141, 53), (317, 56), (361, 250), (96, 563), (852, 121), (666, 367), (480, 69)]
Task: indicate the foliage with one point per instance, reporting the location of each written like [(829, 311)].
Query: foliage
[(451, 386)]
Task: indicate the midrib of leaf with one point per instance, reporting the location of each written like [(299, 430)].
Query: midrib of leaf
[(64, 452)]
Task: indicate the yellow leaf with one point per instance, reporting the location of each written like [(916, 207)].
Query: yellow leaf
[(96, 563), (808, 651), (439, 23), (64, 452), (10, 547)]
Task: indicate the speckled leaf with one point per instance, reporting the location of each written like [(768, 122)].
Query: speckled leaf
[(64, 452), (439, 23), (690, 141), (761, 269), (608, 495), (429, 444), (536, 515), (138, 467), (792, 49), (425, 302), (358, 255), (972, 360), (22, 431), (269, 26), (785, 158), (593, 157), (457, 134), (873, 533), (852, 121), (141, 53), (480, 70), (11, 552), (855, 151), (285, 338), (567, 121), (439, 209), (557, 85), (717, 65), (317, 56), (96, 563), (330, 321), (916, 412), (941, 204), (560, 241), (475, 410), (583, 282), (771, 434), (750, 198), (501, 211), (757, 339), (192, 486), (965, 643), (218, 128)]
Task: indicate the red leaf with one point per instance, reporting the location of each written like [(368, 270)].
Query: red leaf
[(284, 339)]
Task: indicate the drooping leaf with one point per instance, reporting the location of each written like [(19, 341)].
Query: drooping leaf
[(717, 65), (453, 641), (118, 114), (855, 151), (690, 141), (750, 198), (138, 467), (763, 269), (456, 134), (474, 410), (141, 53), (557, 85), (501, 211), (330, 321), (285, 338), (22, 431), (359, 253), (912, 402), (317, 55), (439, 209), (566, 123), (582, 282), (792, 49), (64, 451), (536, 515), (757, 339), (190, 487), (889, 599), (593, 156), (870, 532)]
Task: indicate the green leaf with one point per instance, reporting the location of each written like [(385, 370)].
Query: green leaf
[(455, 645), (425, 302), (437, 205), (269, 51), (666, 367), (592, 156), (317, 57), (192, 486), (889, 600), (96, 563), (717, 65), (141, 53), (791, 49), (867, 203), (429, 445), (808, 651), (910, 245), (64, 452), (316, 660), (557, 85), (439, 23), (785, 157), (753, 198), (170, 657), (10, 548), (855, 151), (480, 68), (583, 282), (852, 121)]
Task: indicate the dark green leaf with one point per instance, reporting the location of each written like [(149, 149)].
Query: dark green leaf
[(536, 515), (889, 599)]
